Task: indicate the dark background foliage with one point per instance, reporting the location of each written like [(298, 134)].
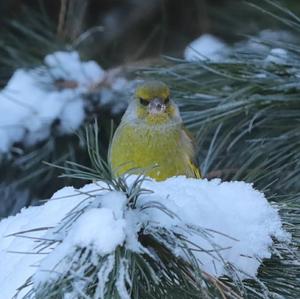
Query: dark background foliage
[(133, 29)]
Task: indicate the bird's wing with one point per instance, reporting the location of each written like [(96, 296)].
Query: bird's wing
[(189, 143)]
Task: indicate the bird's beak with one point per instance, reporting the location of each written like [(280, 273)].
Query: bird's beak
[(157, 106)]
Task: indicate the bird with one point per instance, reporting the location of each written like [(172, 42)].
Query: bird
[(151, 138)]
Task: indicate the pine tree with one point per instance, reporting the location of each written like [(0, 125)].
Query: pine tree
[(244, 111)]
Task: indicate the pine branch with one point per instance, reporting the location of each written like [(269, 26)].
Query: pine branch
[(154, 271)]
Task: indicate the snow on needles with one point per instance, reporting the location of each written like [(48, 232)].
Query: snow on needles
[(34, 99), (277, 56), (238, 221), (206, 47), (266, 43)]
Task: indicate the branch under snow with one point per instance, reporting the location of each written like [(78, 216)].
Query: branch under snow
[(55, 93), (234, 223)]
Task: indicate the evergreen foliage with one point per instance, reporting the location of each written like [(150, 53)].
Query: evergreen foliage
[(155, 271), (245, 113)]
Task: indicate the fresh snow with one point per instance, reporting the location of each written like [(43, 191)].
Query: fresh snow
[(93, 227), (277, 56), (34, 99), (206, 47), (97, 229), (239, 220), (262, 41), (209, 47), (15, 268), (235, 209)]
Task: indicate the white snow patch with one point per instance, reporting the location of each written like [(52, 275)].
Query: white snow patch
[(206, 47), (260, 42), (68, 65), (232, 208), (260, 76), (277, 56), (34, 99), (246, 223), (115, 201), (97, 228), (30, 102), (15, 268)]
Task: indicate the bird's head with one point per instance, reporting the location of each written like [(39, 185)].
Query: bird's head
[(153, 103)]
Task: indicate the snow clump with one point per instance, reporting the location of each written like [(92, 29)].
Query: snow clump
[(35, 99), (277, 56), (206, 47), (238, 220)]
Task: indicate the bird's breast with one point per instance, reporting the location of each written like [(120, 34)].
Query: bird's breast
[(157, 150)]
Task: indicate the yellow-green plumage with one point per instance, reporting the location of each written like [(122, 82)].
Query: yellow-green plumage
[(156, 143)]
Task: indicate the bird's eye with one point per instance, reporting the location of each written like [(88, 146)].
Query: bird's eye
[(144, 102), (167, 100)]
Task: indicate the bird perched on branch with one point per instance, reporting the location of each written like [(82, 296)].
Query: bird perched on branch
[(151, 137)]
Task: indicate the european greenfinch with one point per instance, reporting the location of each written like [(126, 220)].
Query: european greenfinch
[(151, 137)]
